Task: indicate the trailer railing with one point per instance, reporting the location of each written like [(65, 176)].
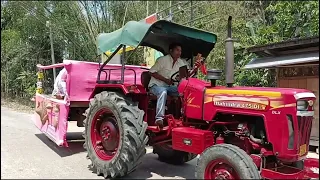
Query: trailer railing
[(108, 79)]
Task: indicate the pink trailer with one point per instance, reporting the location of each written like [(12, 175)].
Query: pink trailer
[(53, 114)]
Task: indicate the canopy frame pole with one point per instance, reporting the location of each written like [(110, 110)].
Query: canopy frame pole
[(123, 56), (105, 63)]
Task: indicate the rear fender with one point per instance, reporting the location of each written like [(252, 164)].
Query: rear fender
[(109, 87), (311, 167), (123, 88)]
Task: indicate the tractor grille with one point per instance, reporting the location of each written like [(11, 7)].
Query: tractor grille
[(304, 124)]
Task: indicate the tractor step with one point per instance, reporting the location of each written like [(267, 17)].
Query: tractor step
[(156, 129)]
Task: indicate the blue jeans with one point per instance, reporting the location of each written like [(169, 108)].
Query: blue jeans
[(161, 92)]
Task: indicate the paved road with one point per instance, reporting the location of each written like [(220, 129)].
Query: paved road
[(26, 153)]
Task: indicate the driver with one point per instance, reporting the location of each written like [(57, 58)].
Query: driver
[(161, 84)]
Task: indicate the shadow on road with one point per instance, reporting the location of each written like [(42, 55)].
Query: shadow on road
[(75, 142), (151, 167)]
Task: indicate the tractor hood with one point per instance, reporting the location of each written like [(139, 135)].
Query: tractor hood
[(236, 93), (256, 91)]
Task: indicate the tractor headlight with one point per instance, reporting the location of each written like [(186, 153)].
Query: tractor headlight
[(310, 102), (302, 105)]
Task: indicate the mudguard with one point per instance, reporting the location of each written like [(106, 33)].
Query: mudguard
[(311, 168)]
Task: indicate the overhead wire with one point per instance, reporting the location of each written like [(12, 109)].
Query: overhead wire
[(187, 9), (204, 22), (193, 6), (199, 18), (169, 7), (178, 11)]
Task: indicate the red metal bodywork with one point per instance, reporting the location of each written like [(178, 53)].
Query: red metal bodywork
[(273, 105), (191, 139), (311, 168), (278, 103)]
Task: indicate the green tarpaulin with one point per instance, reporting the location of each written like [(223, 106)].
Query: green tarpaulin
[(158, 36), (130, 35)]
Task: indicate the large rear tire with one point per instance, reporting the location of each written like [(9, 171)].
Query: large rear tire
[(115, 137), (168, 155), (226, 161)]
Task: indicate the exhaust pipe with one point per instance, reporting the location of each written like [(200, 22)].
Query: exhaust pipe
[(229, 56)]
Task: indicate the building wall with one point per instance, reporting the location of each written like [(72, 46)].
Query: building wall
[(303, 77)]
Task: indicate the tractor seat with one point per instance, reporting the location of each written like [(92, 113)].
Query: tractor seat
[(145, 79)]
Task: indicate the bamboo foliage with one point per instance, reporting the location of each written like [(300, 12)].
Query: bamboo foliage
[(75, 25)]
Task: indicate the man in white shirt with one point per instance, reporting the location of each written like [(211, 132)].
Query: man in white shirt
[(160, 83), (60, 85)]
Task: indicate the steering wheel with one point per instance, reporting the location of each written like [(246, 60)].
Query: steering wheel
[(175, 79), (191, 73)]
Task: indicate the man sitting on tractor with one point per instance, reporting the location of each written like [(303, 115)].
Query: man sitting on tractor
[(161, 83)]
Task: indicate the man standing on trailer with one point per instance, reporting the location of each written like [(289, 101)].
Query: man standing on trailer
[(160, 82)]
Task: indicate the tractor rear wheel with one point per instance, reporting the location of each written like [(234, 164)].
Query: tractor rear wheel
[(115, 137), (226, 161), (168, 155)]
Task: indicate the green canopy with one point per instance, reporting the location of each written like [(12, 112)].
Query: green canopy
[(159, 36)]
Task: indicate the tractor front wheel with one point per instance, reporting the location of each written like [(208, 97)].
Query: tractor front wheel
[(168, 155), (114, 134), (226, 161)]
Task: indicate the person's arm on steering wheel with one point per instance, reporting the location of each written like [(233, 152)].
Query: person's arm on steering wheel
[(154, 72)]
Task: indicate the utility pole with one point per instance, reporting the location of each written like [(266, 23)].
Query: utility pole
[(170, 11), (191, 14), (157, 7), (145, 48), (52, 51), (147, 8)]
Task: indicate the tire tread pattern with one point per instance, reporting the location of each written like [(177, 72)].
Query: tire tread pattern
[(134, 139), (237, 157)]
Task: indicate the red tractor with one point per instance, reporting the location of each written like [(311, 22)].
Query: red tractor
[(239, 132)]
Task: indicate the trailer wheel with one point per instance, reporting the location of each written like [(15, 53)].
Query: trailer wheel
[(226, 161), (168, 155), (115, 137)]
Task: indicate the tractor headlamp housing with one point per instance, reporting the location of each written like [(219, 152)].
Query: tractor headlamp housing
[(302, 105), (305, 105)]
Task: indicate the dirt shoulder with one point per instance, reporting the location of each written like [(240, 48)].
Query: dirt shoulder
[(16, 105)]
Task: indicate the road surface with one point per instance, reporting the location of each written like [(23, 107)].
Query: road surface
[(27, 153)]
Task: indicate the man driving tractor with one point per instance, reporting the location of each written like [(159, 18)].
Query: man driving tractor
[(161, 84)]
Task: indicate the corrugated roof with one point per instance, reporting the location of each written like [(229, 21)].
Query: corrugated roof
[(291, 44), (272, 62)]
